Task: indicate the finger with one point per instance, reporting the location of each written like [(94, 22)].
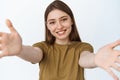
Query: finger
[(0, 40), (118, 60), (114, 44), (1, 34), (0, 47), (1, 54), (10, 26), (112, 74), (117, 53), (115, 66)]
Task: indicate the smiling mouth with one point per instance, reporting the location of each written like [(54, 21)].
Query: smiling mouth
[(61, 32)]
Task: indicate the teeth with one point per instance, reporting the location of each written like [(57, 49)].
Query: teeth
[(61, 32)]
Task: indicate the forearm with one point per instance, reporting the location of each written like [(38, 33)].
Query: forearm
[(31, 54), (87, 60)]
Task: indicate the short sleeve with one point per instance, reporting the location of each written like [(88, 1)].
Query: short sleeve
[(86, 47), (42, 45)]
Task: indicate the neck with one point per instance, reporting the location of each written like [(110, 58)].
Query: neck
[(63, 42)]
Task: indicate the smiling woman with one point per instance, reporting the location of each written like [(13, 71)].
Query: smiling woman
[(62, 55), (59, 24)]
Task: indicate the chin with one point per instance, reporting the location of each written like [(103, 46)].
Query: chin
[(62, 38)]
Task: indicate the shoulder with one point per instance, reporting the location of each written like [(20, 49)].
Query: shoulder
[(77, 43), (43, 45), (39, 43), (84, 46)]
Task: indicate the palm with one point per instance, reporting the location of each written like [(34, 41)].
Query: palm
[(10, 42)]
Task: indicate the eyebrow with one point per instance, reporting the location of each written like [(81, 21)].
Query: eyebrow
[(63, 17), (59, 18)]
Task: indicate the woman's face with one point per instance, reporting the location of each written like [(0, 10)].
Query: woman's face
[(60, 24)]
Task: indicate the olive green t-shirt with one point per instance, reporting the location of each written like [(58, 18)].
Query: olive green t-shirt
[(60, 62)]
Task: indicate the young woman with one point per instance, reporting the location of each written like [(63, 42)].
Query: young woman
[(62, 56)]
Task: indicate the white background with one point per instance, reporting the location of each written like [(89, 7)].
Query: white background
[(98, 22)]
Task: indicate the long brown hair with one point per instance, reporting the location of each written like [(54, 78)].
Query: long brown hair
[(57, 4)]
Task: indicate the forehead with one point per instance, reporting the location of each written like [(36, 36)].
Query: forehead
[(56, 14)]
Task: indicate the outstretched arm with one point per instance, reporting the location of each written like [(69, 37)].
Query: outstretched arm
[(106, 58), (11, 45)]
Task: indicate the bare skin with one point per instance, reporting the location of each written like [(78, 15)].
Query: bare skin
[(105, 58), (11, 45)]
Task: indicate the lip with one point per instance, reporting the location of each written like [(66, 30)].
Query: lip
[(61, 32)]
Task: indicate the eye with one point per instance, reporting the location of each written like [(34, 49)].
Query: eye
[(64, 19), (51, 23)]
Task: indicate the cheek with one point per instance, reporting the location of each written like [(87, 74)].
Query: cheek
[(70, 29), (68, 26), (48, 27), (51, 29)]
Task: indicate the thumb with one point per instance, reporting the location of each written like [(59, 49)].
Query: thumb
[(10, 26), (1, 54), (115, 44)]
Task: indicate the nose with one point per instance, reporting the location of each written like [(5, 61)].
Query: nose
[(59, 25)]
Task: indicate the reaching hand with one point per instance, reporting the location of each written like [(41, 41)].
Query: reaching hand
[(10, 43), (107, 57)]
